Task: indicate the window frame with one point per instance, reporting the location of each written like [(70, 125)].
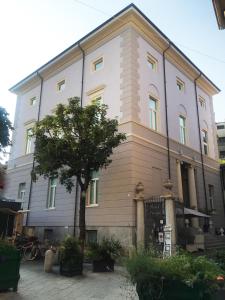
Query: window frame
[(152, 62), (205, 145), (33, 101), (21, 190), (29, 139), (180, 85), (202, 102), (95, 181), (61, 85), (51, 191), (211, 191), (183, 130), (99, 60), (153, 112)]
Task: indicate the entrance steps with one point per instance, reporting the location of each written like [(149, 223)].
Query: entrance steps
[(213, 241)]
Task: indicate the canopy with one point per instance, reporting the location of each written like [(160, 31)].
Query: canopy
[(195, 213)]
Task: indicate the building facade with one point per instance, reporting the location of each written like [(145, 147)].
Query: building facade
[(221, 139), (162, 101)]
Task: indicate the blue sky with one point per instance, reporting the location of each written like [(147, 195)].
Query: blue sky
[(34, 31)]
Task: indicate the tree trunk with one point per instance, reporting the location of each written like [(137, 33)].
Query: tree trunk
[(82, 224)]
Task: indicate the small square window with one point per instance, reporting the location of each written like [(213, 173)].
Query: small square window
[(61, 85), (202, 102), (152, 62), (33, 101), (180, 85), (98, 64)]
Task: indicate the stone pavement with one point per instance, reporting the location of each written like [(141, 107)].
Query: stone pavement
[(35, 284)]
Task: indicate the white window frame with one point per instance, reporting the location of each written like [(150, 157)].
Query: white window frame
[(153, 112), (182, 130), (94, 97), (29, 141), (22, 191), (33, 101), (95, 185), (211, 195), (95, 63), (180, 84), (152, 62), (52, 184), (61, 85), (205, 145), (202, 102)]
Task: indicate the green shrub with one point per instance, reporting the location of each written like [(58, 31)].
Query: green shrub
[(7, 248), (105, 250), (219, 257), (157, 278), (70, 251)]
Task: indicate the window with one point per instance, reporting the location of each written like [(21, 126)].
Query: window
[(222, 154), (182, 124), (98, 64), (211, 196), (33, 101), (202, 102), (51, 192), (91, 236), (152, 62), (220, 127), (29, 139), (180, 85), (93, 190), (205, 141), (61, 85), (21, 191), (98, 99), (153, 113)]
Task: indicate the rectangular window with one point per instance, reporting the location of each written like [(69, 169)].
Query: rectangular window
[(33, 101), (182, 124), (205, 141), (93, 189), (180, 85), (22, 191), (211, 196), (220, 127), (98, 64), (61, 85), (98, 99), (51, 192), (152, 62), (153, 113), (29, 139), (202, 102)]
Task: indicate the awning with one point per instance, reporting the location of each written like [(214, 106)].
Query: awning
[(195, 213)]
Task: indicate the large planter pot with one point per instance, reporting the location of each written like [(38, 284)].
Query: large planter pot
[(9, 270), (103, 265), (69, 269)]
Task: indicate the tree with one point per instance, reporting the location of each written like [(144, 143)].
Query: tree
[(5, 128), (74, 142)]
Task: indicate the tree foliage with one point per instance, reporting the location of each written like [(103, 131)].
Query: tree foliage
[(74, 142), (5, 128)]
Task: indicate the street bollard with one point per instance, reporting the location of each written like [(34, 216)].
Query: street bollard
[(49, 260)]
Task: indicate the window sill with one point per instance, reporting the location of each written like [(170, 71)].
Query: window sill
[(92, 205), (50, 208)]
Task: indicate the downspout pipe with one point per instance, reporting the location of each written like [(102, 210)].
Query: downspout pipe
[(200, 142), (81, 104), (166, 111), (38, 119)]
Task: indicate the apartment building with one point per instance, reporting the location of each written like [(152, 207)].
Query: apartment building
[(162, 101), (221, 139)]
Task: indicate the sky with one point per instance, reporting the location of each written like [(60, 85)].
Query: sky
[(34, 31)]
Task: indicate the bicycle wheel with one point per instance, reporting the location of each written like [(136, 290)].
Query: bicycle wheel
[(31, 253)]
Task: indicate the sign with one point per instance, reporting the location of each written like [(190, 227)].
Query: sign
[(167, 249)]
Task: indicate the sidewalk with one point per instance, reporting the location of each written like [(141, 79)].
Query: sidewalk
[(35, 284)]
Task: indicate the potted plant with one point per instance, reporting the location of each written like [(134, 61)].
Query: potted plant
[(9, 266), (104, 253), (70, 257)]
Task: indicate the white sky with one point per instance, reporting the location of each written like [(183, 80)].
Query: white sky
[(34, 31)]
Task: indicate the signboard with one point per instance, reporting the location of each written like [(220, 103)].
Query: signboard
[(167, 248)]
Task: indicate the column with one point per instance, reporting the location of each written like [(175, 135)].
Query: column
[(192, 194), (179, 182), (140, 225)]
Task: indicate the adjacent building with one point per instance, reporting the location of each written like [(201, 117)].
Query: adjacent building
[(162, 101), (221, 139)]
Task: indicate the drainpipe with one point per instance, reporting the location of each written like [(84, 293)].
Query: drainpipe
[(166, 110), (81, 104), (200, 141), (38, 118)]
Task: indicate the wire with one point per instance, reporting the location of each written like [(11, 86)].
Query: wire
[(190, 49)]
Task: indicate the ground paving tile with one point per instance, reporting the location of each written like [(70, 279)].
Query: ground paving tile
[(35, 284)]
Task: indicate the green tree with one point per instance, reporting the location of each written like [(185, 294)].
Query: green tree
[(5, 128), (74, 142)]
